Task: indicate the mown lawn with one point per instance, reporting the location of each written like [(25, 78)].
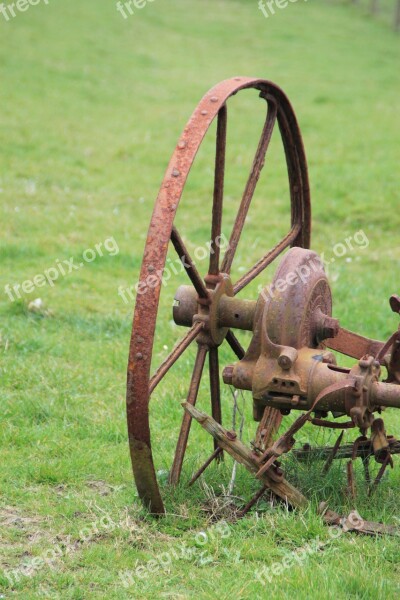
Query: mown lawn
[(91, 108)]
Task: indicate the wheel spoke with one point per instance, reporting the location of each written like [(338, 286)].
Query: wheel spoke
[(267, 259), (218, 191), (235, 344), (258, 164), (188, 263), (215, 388), (175, 354), (187, 420)]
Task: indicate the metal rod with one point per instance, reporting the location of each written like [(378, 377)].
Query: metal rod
[(175, 354), (235, 344), (187, 420), (215, 388), (253, 501), (267, 259), (377, 480), (218, 191), (351, 488), (258, 164), (208, 462), (331, 457), (364, 449), (188, 263)]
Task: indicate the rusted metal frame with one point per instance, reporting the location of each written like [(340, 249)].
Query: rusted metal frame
[(175, 354), (354, 345), (219, 176), (282, 445), (215, 391), (235, 344), (188, 264), (364, 450), (254, 176), (217, 452), (144, 321), (286, 441), (333, 454), (187, 421)]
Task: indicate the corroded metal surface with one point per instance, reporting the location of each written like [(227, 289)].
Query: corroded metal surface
[(287, 365), (161, 231)]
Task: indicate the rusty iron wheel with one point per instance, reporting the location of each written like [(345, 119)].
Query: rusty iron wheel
[(140, 384)]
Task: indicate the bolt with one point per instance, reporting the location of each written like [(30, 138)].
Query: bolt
[(284, 362), (227, 375), (327, 327), (287, 358), (175, 173)]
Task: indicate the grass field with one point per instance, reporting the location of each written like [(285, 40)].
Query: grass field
[(91, 107)]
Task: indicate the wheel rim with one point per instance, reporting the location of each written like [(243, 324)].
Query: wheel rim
[(162, 231)]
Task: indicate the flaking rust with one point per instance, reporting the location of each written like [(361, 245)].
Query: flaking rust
[(288, 365)]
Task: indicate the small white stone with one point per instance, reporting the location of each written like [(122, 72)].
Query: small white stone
[(36, 305)]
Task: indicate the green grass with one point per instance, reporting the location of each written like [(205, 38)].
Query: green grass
[(91, 108)]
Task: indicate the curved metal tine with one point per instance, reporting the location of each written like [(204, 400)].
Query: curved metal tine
[(188, 263), (219, 176), (267, 259), (174, 355), (258, 164), (181, 445), (298, 180), (215, 388), (235, 344)]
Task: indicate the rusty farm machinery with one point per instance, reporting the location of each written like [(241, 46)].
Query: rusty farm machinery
[(289, 364)]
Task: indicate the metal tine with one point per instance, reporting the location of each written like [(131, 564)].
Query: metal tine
[(208, 462), (328, 464)]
